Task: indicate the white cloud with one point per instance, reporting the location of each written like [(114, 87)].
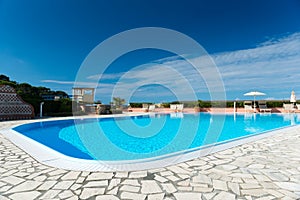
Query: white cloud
[(81, 84), (272, 67)]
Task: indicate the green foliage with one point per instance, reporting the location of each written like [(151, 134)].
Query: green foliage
[(118, 102), (4, 78), (61, 106), (166, 105), (12, 84), (204, 104), (33, 96), (138, 105), (190, 104)]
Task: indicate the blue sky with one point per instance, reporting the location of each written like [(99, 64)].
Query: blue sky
[(255, 44)]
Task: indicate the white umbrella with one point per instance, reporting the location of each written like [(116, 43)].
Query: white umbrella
[(293, 97), (254, 94)]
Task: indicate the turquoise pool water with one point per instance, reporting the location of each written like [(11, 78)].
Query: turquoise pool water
[(129, 138)]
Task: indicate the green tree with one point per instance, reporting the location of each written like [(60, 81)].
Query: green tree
[(118, 102), (4, 78)]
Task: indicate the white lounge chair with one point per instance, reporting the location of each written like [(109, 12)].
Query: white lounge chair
[(151, 108), (298, 106), (248, 106), (262, 105), (173, 107), (145, 107), (179, 108), (289, 107), (176, 107)]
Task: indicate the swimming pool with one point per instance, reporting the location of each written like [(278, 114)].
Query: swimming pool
[(148, 136)]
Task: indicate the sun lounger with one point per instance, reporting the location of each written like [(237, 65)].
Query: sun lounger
[(176, 107), (173, 107), (151, 108), (179, 108), (145, 107), (248, 106), (262, 105), (289, 107)]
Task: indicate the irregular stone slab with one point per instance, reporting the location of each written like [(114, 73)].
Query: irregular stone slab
[(254, 192), (187, 196), (40, 178), (234, 187), (275, 193), (25, 186), (131, 182), (268, 185), (138, 174), (173, 178), (166, 173), (72, 175), (289, 186), (3, 197), (90, 192), (169, 187), (107, 197), (25, 195), (57, 172), (63, 185), (47, 185), (2, 184), (134, 196), (181, 188), (5, 189), (227, 167), (250, 181), (113, 191), (21, 174), (203, 189), (224, 195), (130, 188), (178, 170), (150, 187), (113, 183), (184, 183), (66, 194), (121, 175), (277, 176), (96, 183), (249, 186), (156, 196), (261, 177), (50, 194), (99, 176), (220, 185), (241, 175), (209, 196), (201, 178), (12, 180), (160, 178), (75, 187)]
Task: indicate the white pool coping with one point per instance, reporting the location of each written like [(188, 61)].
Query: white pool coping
[(50, 157)]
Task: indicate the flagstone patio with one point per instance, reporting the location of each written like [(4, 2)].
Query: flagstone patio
[(266, 169)]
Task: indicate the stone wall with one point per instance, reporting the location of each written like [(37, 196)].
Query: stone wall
[(12, 106)]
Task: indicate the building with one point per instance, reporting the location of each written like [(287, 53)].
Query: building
[(84, 95)]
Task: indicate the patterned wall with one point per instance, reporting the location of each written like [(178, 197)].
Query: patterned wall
[(12, 106)]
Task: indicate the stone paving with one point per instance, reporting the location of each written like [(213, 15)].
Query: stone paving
[(265, 169)]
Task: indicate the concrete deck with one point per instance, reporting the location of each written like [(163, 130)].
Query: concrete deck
[(265, 169)]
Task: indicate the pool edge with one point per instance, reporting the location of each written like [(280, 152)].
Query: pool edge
[(50, 157)]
